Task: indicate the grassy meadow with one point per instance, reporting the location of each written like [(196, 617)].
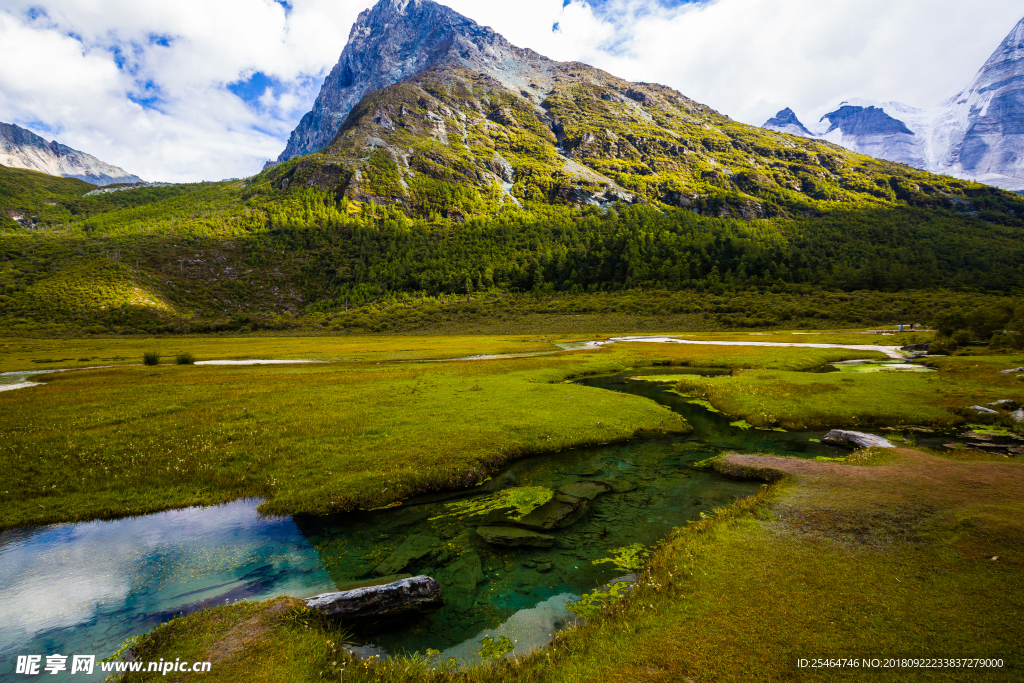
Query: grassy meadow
[(365, 429), (796, 400), (884, 554)]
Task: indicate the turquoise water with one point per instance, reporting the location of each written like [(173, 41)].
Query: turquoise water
[(84, 588)]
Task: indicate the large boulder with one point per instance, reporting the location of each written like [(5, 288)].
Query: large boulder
[(842, 437), (365, 583), (415, 594), (514, 536)]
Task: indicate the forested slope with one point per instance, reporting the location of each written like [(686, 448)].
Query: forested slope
[(449, 186)]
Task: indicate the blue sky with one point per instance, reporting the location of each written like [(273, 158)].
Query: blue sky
[(190, 89)]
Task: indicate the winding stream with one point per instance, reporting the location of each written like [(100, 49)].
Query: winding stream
[(84, 588)]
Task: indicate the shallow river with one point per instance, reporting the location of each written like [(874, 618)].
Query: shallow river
[(84, 588)]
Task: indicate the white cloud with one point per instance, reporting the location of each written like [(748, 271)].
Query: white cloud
[(750, 58), (59, 75), (747, 58)]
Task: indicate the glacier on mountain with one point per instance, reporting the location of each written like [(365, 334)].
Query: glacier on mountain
[(978, 134)]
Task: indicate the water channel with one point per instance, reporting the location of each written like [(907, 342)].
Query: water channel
[(84, 588)]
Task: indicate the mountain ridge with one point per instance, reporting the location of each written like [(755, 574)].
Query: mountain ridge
[(21, 148), (469, 134)]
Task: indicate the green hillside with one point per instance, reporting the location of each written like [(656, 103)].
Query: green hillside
[(448, 199)]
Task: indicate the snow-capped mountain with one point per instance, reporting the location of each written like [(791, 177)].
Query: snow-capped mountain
[(21, 148), (977, 134), (787, 122), (396, 39)]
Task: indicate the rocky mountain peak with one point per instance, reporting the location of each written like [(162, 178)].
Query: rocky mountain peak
[(389, 42), (786, 121), (1006, 61), (21, 148)]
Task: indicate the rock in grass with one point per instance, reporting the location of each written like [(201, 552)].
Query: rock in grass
[(514, 536), (842, 437), (1005, 404), (585, 489), (416, 594), (1012, 370), (984, 411), (1018, 416)]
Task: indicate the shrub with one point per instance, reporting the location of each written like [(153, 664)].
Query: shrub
[(185, 358), (151, 358), (963, 337), (942, 346)]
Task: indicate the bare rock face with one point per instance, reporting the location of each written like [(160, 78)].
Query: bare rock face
[(21, 148), (389, 42), (841, 437), (416, 594)]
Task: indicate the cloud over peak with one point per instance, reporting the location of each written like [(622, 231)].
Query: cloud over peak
[(191, 90)]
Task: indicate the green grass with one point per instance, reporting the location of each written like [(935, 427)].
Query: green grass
[(40, 354), (312, 438), (278, 640), (795, 400), (364, 430)]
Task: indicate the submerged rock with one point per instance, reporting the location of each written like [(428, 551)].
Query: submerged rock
[(842, 437), (618, 485), (414, 548), (514, 536), (585, 489), (558, 513), (415, 594), (460, 580)]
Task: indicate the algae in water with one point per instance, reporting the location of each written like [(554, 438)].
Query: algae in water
[(522, 499)]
